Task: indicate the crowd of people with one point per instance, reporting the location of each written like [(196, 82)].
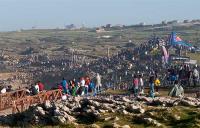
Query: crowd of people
[(137, 68), (82, 86)]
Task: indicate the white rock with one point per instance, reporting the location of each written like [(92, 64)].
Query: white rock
[(116, 118), (58, 120), (102, 111), (108, 118), (115, 125), (47, 104), (40, 110), (95, 126), (125, 112), (126, 100), (126, 126)]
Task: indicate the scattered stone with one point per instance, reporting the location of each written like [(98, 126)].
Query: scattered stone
[(125, 99), (95, 126), (126, 126), (135, 109), (108, 118), (115, 125), (151, 121), (116, 118), (40, 111), (47, 104), (187, 103), (177, 117), (125, 112), (102, 111), (58, 120)]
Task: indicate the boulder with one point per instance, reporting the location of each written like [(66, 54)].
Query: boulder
[(148, 100), (126, 126), (135, 109), (95, 126), (58, 120), (187, 103), (40, 111), (102, 111), (108, 118), (125, 112), (126, 100), (151, 121), (116, 118), (47, 105), (57, 112), (115, 125)]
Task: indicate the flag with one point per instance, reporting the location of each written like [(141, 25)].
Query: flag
[(177, 41)]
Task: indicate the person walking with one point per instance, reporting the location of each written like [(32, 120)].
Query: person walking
[(151, 86), (82, 84), (98, 83), (195, 77), (64, 86), (136, 86), (157, 84), (141, 84)]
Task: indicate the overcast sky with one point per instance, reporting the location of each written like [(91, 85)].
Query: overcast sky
[(16, 14)]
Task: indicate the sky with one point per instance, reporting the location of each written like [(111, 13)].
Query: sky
[(24, 14)]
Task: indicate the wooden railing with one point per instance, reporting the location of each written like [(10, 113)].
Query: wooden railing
[(18, 101), (20, 105), (6, 99)]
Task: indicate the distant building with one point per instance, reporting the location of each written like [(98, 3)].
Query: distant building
[(100, 30), (164, 22), (186, 21), (70, 27), (108, 25), (195, 21), (142, 23), (172, 22)]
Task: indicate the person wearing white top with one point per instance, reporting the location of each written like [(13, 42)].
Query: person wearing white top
[(98, 82), (37, 88), (141, 84), (82, 86)]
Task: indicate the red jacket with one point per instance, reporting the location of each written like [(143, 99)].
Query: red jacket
[(41, 86)]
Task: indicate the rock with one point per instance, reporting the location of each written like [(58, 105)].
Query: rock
[(66, 109), (126, 126), (125, 112), (145, 99), (187, 103), (47, 104), (40, 111), (58, 120), (135, 109), (95, 126), (177, 117), (116, 118), (190, 99), (115, 125), (113, 111), (96, 104), (57, 112), (102, 111), (108, 118), (151, 121), (106, 107), (125, 99), (70, 118)]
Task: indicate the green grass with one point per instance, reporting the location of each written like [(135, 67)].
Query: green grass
[(194, 56)]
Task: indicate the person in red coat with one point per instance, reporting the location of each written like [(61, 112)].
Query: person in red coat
[(41, 86)]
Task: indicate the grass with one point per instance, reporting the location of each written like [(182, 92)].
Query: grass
[(194, 56)]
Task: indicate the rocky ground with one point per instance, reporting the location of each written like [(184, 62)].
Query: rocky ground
[(110, 112)]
